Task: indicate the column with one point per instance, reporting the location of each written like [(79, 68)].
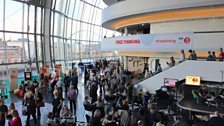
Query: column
[(126, 31), (47, 28)]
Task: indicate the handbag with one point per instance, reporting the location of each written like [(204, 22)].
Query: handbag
[(40, 104), (24, 110)]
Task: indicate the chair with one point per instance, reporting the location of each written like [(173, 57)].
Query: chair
[(195, 96)]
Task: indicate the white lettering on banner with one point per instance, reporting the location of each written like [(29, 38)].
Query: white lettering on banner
[(149, 42)]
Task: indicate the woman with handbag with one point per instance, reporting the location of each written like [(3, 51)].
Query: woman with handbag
[(39, 101), (72, 94)]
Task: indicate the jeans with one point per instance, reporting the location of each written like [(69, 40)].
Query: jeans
[(28, 118), (73, 103), (38, 112)]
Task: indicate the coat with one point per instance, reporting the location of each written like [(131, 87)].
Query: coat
[(31, 106)]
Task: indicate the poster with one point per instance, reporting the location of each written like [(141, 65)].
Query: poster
[(44, 70), (28, 76), (58, 70), (13, 78)]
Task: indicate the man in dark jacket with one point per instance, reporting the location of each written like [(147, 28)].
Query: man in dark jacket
[(31, 108), (3, 112), (215, 120), (74, 81)]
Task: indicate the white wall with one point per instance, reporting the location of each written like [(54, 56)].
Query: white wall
[(197, 25), (208, 41), (207, 70)]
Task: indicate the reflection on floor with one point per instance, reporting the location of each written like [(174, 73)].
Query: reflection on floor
[(80, 113)]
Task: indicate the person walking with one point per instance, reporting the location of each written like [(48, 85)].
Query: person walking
[(57, 104), (39, 101), (31, 108), (72, 95), (3, 112)]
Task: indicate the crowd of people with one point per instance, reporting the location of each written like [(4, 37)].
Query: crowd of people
[(111, 93)]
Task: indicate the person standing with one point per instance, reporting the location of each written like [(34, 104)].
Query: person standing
[(194, 55), (57, 104), (159, 68), (209, 58), (190, 56), (59, 84), (221, 55), (3, 112), (74, 80), (66, 82), (213, 56), (182, 56), (31, 108), (72, 95), (39, 101)]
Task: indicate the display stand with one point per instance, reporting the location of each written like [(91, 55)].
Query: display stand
[(13, 79)]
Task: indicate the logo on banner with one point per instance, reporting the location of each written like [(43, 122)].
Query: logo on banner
[(187, 40)]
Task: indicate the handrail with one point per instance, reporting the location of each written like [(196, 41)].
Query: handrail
[(166, 68)]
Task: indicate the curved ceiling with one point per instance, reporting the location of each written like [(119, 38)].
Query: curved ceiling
[(168, 16), (120, 15)]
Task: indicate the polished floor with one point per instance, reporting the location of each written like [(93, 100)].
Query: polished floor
[(80, 113)]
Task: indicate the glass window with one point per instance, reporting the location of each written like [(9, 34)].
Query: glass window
[(39, 48), (98, 17), (1, 14), (84, 31), (13, 15), (87, 13), (31, 19), (39, 21), (32, 50)]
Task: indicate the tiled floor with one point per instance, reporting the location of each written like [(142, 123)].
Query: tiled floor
[(80, 113)]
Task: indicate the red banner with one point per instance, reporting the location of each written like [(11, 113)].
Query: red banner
[(58, 69), (44, 70)]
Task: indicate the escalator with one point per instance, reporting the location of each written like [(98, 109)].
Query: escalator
[(207, 70)]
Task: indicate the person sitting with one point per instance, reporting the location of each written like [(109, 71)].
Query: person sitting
[(212, 99), (50, 119), (110, 121), (87, 105), (66, 116), (96, 120), (65, 112), (215, 120)]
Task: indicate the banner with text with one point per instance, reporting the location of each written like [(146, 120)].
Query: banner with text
[(149, 42)]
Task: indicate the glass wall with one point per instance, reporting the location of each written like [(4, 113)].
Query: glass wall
[(65, 30)]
